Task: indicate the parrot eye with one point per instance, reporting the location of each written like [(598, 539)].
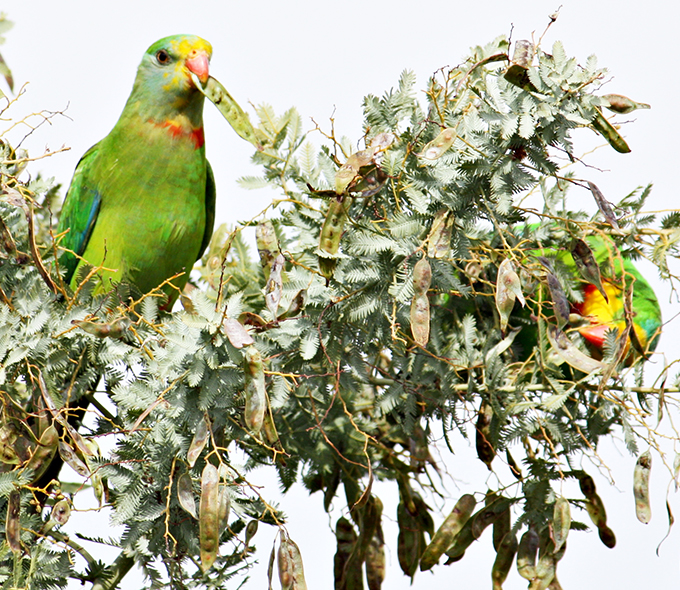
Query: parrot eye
[(162, 57)]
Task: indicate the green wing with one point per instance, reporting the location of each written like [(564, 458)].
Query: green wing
[(210, 192), (79, 214)]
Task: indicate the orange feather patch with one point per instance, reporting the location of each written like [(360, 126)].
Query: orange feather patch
[(176, 131)]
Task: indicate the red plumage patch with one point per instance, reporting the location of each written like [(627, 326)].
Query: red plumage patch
[(177, 131)]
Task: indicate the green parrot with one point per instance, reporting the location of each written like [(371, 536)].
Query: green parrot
[(608, 314), (141, 205)]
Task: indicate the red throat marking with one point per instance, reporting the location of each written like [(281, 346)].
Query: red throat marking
[(176, 131)]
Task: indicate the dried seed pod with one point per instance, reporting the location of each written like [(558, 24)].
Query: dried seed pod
[(13, 521), (236, 333), (199, 441), (267, 245), (291, 570), (508, 288), (251, 530), (375, 563), (225, 505), (587, 485), (561, 522), (69, 456), (505, 553), (346, 574), (561, 306), (411, 538), (485, 450), (209, 512), (255, 393), (622, 104), (603, 205), (488, 515), (570, 353), (98, 488), (501, 526), (607, 536), (274, 287), (526, 554), (446, 533), (43, 453), (331, 232), (587, 265), (350, 169), (439, 238), (61, 512), (461, 542), (643, 466), (545, 572), (185, 494), (439, 145), (422, 276), (420, 319)]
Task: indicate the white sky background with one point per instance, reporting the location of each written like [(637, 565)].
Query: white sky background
[(323, 58)]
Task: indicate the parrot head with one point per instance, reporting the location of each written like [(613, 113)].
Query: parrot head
[(164, 84)]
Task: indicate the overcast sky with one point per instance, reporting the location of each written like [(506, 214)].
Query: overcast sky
[(81, 57)]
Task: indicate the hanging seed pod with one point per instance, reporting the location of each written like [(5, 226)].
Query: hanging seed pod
[(267, 245), (643, 466), (587, 485), (489, 514), (446, 533), (561, 522), (98, 488), (526, 554), (508, 288), (225, 506), (420, 319), (291, 570), (331, 232), (346, 574), (485, 450), (607, 536), (514, 468), (199, 441), (375, 563), (68, 454), (209, 512), (501, 527), (236, 333), (61, 512), (461, 542), (43, 453), (410, 541), (439, 238), (251, 530), (185, 494), (505, 553), (545, 572), (350, 169), (570, 353), (422, 276), (587, 265), (561, 306), (13, 521), (518, 70), (274, 287), (255, 393), (596, 511), (439, 145)]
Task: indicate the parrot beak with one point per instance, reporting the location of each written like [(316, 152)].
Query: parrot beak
[(197, 63)]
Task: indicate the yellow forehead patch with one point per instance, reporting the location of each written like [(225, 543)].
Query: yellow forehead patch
[(186, 45)]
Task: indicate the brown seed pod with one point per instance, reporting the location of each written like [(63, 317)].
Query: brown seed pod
[(439, 145), (291, 570), (485, 450), (439, 238), (375, 563), (69, 456), (446, 533), (643, 467), (422, 276), (208, 521), (43, 453), (255, 393), (526, 554), (420, 319), (61, 512), (13, 521), (185, 494), (199, 441), (346, 574), (505, 554)]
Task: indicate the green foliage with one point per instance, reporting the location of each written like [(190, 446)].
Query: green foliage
[(351, 393)]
